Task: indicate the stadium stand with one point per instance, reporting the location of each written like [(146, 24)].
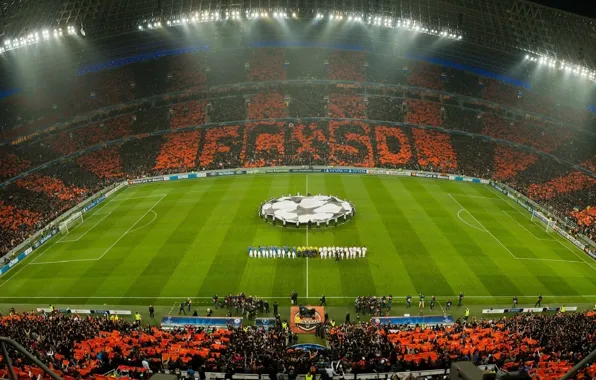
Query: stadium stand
[(267, 105), (350, 144), (221, 148), (11, 165), (307, 145), (394, 149), (306, 101), (264, 144), (104, 163), (424, 75), (424, 113), (186, 72), (435, 152), (385, 108), (228, 109), (178, 152), (346, 65), (544, 346), (266, 64), (347, 106), (187, 114)]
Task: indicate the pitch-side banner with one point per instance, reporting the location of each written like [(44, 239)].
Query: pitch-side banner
[(170, 322), (87, 311)]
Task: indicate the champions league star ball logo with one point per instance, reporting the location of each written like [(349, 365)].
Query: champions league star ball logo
[(299, 209)]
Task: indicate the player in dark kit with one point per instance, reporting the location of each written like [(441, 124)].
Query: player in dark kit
[(323, 301), (432, 302), (514, 301), (151, 312), (460, 301), (408, 301), (538, 303), (448, 305)]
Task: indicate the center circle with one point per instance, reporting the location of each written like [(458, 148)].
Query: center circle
[(307, 209)]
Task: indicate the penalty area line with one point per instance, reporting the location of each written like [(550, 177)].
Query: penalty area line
[(86, 232), (131, 227), (480, 224)]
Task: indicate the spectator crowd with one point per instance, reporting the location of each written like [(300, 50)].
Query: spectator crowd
[(543, 346)]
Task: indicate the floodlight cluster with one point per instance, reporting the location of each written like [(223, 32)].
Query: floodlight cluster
[(35, 37), (575, 69), (389, 22)]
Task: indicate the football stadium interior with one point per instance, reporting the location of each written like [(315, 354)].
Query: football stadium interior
[(297, 189)]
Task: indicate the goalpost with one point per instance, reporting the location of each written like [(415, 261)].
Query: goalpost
[(72, 221), (544, 220)]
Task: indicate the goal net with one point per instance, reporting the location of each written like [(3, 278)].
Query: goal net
[(548, 223), (74, 220)]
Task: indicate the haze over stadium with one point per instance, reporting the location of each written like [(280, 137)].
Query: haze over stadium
[(297, 189)]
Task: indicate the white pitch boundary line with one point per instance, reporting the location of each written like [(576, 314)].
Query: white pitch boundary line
[(172, 308), (80, 237), (307, 242), (487, 231), (37, 257), (146, 224), (474, 196), (556, 260), (62, 261), (106, 251), (127, 231), (521, 225), (340, 297), (460, 218), (557, 238), (145, 197)]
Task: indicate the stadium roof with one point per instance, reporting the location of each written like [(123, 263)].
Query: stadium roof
[(508, 25)]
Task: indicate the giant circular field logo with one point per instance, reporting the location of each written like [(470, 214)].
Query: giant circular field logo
[(306, 209)]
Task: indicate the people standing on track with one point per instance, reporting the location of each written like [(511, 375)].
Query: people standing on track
[(181, 310), (460, 301), (514, 301), (323, 301), (151, 312), (539, 301)]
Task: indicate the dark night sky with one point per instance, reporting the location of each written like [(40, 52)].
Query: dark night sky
[(581, 7)]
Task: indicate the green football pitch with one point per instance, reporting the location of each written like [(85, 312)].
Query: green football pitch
[(161, 243)]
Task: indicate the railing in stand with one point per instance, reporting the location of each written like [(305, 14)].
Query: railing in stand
[(20, 349)]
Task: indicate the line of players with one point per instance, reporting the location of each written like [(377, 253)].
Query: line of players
[(322, 252)]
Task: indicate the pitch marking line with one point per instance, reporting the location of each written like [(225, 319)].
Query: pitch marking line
[(521, 225), (110, 247), (557, 238), (127, 231), (487, 231), (146, 224), (307, 242), (80, 237), (474, 196), (62, 261), (460, 218)]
